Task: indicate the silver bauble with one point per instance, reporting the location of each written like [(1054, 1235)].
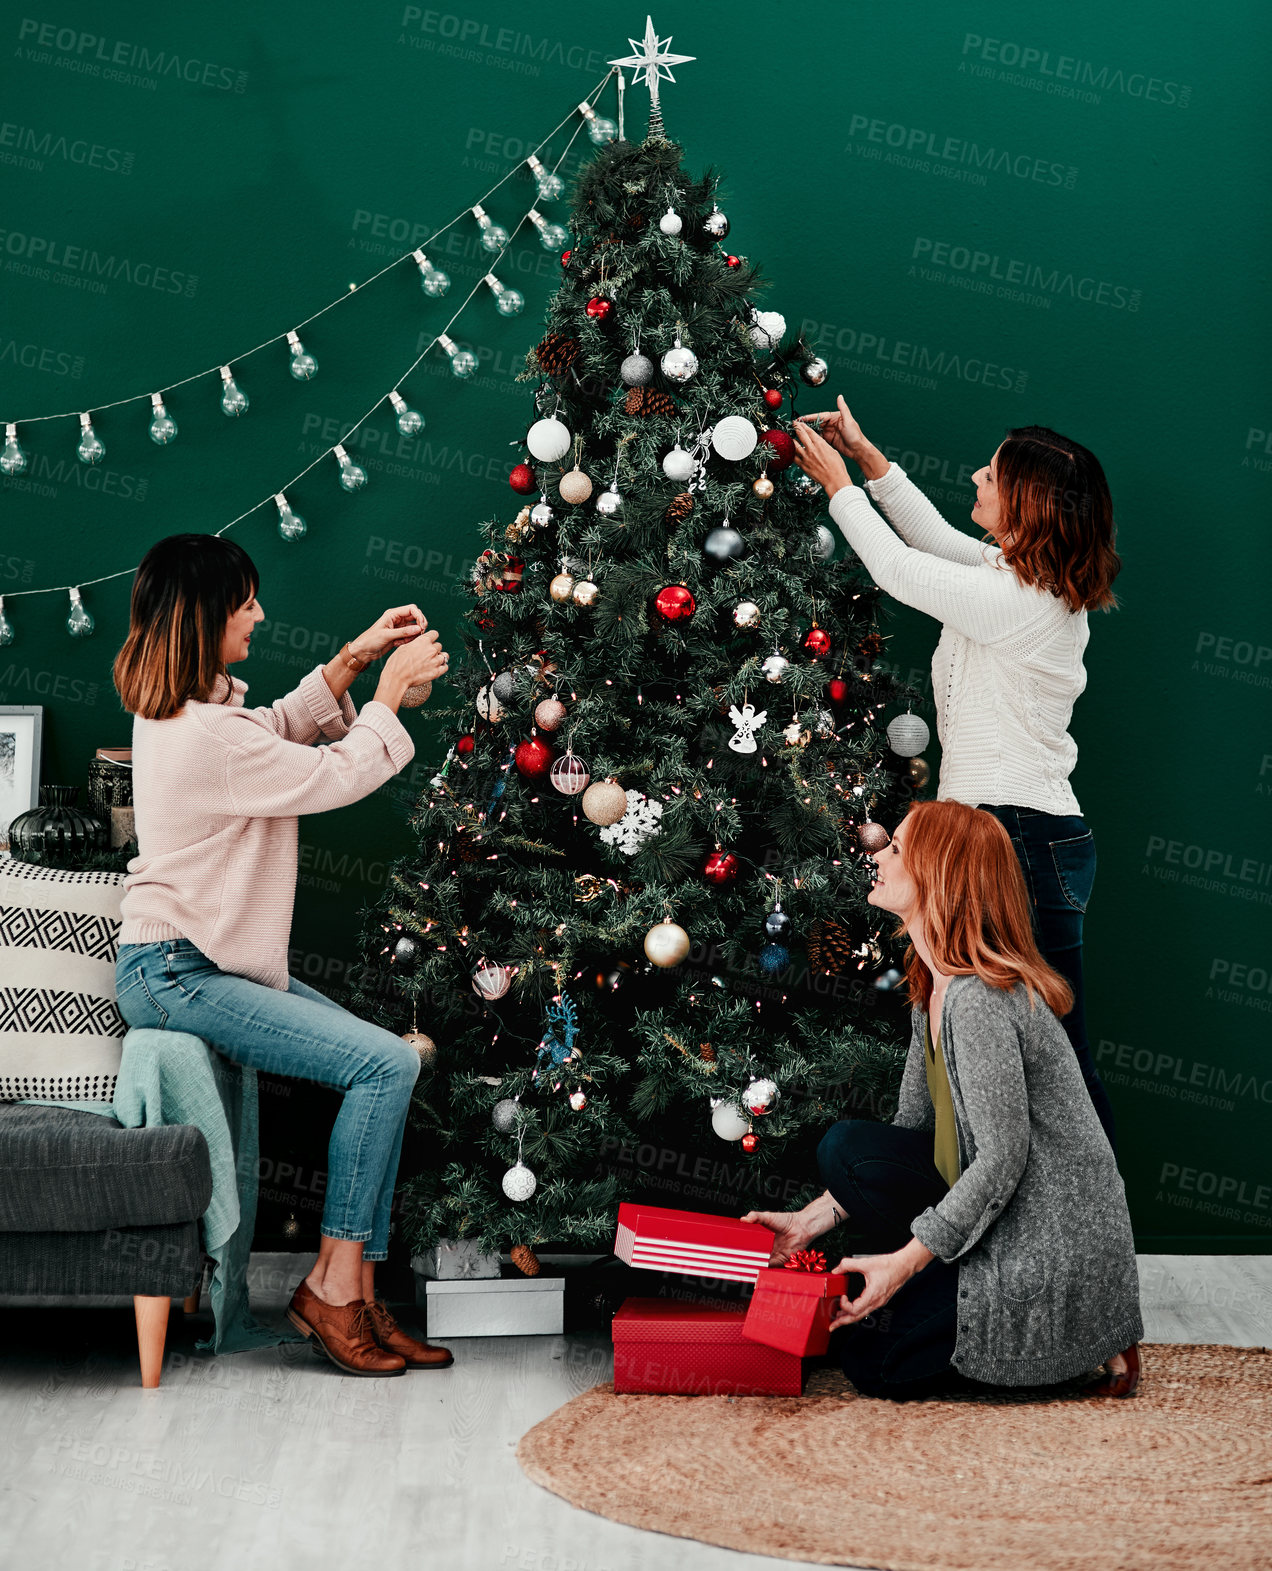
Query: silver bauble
[(908, 735), (814, 371), (825, 542), (541, 514), (609, 502), (505, 687), (730, 1122), (716, 224), (775, 667), (585, 593), (679, 364), (504, 1115), (548, 440), (724, 544), (746, 614), (666, 944), (679, 465), (519, 1183), (671, 222), (802, 485), (761, 1096), (637, 370)]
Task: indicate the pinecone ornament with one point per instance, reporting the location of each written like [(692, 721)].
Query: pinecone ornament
[(830, 947), (649, 401), (679, 508), (870, 645), (706, 1052), (525, 1259), (557, 353)]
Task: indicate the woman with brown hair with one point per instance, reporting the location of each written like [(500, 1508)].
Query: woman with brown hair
[(207, 903), (1001, 1242), (1008, 666)]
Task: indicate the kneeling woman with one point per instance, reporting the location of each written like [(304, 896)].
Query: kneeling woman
[(1001, 1243), (208, 899)]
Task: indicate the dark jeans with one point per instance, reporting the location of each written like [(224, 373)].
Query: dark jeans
[(1057, 857), (883, 1177)]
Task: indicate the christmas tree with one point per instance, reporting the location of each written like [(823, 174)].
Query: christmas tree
[(637, 916)]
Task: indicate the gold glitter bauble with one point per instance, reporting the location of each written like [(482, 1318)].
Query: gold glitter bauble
[(423, 1045), (575, 487), (605, 802)]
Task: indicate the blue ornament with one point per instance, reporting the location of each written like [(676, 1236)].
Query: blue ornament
[(774, 958)]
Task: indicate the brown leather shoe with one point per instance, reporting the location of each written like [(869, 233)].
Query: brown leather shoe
[(390, 1336), (1122, 1383), (343, 1332)]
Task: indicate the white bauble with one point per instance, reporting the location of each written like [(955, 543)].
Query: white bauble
[(548, 440), (908, 735), (488, 706), (730, 1122), (491, 981), (734, 437), (679, 465), (666, 944), (768, 328), (519, 1183), (671, 222), (825, 542), (504, 1115)]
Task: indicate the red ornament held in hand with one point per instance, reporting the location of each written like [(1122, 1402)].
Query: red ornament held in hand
[(522, 479), (781, 448), (721, 867), (533, 758), (675, 603), (773, 397), (818, 642), (599, 308)]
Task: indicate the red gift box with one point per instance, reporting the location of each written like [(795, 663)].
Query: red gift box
[(691, 1243), (679, 1349), (792, 1310)]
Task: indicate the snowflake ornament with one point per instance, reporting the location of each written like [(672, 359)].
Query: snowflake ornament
[(636, 825)]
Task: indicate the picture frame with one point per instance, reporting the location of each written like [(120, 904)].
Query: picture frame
[(21, 744)]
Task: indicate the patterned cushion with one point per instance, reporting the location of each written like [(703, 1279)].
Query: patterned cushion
[(60, 1032)]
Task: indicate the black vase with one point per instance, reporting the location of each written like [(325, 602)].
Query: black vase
[(57, 833)]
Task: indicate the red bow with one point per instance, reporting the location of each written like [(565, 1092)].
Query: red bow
[(807, 1260)]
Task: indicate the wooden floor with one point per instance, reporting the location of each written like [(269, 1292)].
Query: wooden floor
[(272, 1461)]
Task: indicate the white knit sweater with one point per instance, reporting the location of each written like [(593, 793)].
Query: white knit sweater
[(1008, 666), (217, 790)]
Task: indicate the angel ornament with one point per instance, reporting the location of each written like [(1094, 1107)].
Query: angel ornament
[(748, 723)]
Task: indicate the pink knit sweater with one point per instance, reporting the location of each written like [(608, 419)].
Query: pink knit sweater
[(217, 790)]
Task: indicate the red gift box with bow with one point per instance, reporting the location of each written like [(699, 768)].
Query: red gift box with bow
[(691, 1242), (792, 1307)]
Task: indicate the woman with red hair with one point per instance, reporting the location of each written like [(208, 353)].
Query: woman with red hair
[(1008, 666), (1000, 1242)]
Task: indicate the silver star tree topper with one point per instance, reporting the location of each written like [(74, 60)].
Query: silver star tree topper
[(652, 61)]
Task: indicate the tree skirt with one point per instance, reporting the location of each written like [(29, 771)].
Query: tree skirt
[(1179, 1476)]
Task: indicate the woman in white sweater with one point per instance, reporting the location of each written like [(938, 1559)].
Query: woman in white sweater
[(1008, 665)]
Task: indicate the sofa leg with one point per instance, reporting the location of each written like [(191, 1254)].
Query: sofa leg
[(152, 1327)]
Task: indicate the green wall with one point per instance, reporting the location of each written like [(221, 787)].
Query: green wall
[(985, 215)]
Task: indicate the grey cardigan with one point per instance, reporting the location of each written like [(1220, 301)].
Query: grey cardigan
[(1047, 1282)]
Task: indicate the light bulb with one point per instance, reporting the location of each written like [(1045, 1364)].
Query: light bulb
[(303, 364), (433, 281), (290, 525), (493, 236), (163, 428), (409, 421), (79, 624), (13, 460), (508, 302), (463, 361), (352, 476), (7, 635), (91, 449), (233, 399), (553, 236), (598, 127), (550, 185)]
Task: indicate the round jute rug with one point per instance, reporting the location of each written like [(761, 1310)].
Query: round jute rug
[(1178, 1477)]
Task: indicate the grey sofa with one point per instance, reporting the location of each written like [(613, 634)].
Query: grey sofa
[(88, 1207)]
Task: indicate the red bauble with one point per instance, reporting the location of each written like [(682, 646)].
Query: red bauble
[(522, 479), (465, 745), (818, 642), (565, 258), (773, 397), (721, 867), (599, 308), (509, 581), (837, 690), (675, 603), (781, 448), (533, 758), (749, 1143), (733, 261)]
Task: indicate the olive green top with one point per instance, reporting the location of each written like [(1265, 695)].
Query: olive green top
[(945, 1142)]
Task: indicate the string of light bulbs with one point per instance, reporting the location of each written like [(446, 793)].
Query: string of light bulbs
[(434, 282)]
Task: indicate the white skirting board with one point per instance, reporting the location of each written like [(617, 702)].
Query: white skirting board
[(510, 1306)]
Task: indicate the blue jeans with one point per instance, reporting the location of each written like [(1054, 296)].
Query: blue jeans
[(172, 985), (1057, 857)]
